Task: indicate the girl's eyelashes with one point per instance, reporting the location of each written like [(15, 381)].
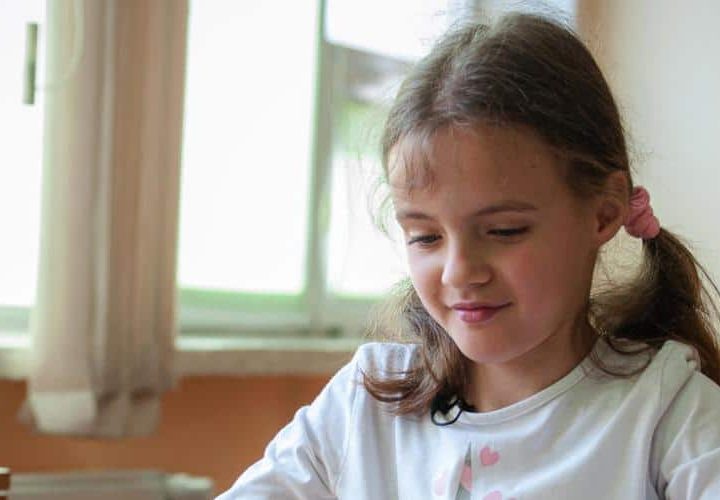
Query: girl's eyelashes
[(509, 231), (424, 240), (429, 239)]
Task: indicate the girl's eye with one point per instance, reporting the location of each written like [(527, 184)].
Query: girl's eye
[(509, 232), (424, 240)]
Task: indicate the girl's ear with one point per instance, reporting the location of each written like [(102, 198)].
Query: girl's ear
[(611, 207)]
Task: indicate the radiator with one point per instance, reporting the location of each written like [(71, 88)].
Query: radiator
[(111, 485)]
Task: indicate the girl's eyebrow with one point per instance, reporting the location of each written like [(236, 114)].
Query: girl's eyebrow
[(503, 206)]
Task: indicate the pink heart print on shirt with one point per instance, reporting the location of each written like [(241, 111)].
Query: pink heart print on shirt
[(495, 495), (489, 457), (440, 483)]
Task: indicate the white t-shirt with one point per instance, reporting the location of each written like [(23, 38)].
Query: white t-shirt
[(654, 435)]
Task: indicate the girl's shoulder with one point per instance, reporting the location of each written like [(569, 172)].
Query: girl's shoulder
[(381, 358), (669, 375), (676, 358), (681, 379), (686, 441), (628, 356)]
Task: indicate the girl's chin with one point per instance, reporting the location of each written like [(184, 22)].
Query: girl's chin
[(486, 351)]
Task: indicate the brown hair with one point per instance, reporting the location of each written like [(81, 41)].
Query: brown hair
[(530, 71)]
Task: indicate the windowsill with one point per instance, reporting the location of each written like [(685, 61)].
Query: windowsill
[(244, 356), (208, 356)]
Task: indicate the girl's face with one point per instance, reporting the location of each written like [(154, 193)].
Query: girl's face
[(499, 251)]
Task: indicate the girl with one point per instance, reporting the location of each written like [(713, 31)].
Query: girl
[(508, 172)]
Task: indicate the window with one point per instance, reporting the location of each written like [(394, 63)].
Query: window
[(247, 156), (20, 168)]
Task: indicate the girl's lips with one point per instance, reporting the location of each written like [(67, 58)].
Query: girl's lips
[(478, 314)]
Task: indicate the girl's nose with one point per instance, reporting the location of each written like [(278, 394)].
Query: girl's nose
[(465, 266)]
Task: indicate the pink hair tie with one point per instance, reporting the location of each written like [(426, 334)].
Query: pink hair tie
[(641, 222)]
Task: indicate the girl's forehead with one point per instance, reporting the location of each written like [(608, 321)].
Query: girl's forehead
[(497, 158)]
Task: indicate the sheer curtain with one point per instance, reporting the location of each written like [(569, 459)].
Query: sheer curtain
[(104, 323)]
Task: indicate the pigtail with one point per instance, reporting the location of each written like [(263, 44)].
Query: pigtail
[(671, 298)]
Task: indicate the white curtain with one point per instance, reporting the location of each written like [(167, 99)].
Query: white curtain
[(104, 323)]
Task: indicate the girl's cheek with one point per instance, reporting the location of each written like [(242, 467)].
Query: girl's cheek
[(419, 270), (530, 272), (424, 264)]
